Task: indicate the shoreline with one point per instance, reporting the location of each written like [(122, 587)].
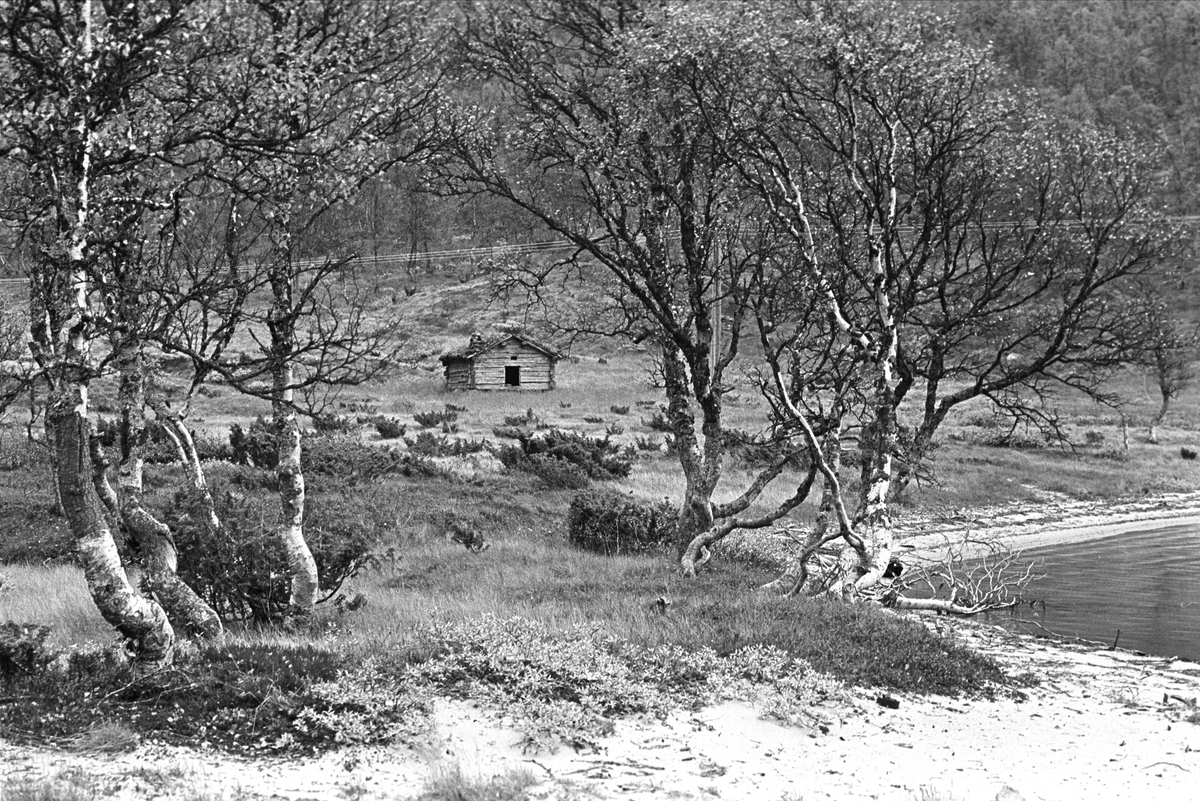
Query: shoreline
[(1056, 521)]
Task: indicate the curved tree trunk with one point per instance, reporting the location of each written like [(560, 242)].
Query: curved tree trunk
[(865, 565), (794, 577), (696, 510), (139, 619), (155, 544)]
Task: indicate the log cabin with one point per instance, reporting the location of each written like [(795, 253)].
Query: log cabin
[(508, 362)]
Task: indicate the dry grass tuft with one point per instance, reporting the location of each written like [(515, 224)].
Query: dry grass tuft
[(104, 738), (449, 782)]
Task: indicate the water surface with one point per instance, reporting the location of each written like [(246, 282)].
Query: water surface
[(1145, 583)]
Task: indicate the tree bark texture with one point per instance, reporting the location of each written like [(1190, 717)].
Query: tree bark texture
[(153, 540), (302, 568), (61, 336), (138, 619), (795, 576)]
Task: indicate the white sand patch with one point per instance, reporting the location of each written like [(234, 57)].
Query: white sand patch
[(1054, 522), (1097, 727)]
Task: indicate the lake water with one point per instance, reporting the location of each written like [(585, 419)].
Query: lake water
[(1147, 584)]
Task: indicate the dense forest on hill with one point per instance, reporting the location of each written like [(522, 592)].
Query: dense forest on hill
[(1133, 67)]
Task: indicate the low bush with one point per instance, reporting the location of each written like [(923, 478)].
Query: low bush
[(23, 649), (389, 427), (346, 458), (159, 447), (619, 409), (658, 421), (242, 697), (557, 473), (755, 451), (435, 418), (253, 445), (240, 570), (352, 461), (429, 444), (1017, 440), (509, 432), (600, 459), (568, 686), (334, 424), (611, 523), (527, 420)]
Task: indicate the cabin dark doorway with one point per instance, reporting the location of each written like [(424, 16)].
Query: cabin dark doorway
[(512, 375)]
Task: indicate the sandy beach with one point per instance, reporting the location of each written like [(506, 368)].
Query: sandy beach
[(1052, 520)]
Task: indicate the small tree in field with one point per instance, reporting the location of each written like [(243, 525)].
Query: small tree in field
[(1170, 351)]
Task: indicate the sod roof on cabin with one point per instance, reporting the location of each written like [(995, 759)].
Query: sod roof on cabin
[(480, 345)]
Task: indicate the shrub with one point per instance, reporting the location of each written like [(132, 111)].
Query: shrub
[(647, 444), (619, 409), (557, 473), (593, 420), (527, 420), (659, 421), (435, 418), (240, 570), (429, 444), (23, 649), (253, 445), (334, 424), (354, 462), (611, 523), (1187, 453), (1093, 437), (389, 427), (159, 447), (600, 459), (752, 450), (1018, 440), (509, 432), (614, 430)]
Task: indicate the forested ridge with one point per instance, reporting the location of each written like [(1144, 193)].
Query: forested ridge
[(1129, 65)]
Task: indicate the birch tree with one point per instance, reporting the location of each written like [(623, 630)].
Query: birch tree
[(592, 135), (965, 246), (75, 75), (315, 98)]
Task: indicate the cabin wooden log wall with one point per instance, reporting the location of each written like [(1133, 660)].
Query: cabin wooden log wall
[(512, 362)]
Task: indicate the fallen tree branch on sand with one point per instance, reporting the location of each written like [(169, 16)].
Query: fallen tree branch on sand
[(964, 578)]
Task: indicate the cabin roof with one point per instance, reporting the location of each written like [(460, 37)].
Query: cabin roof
[(479, 345)]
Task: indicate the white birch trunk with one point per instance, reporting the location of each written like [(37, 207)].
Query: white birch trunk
[(155, 543), (302, 568), (61, 338)]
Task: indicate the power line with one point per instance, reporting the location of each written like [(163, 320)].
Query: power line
[(551, 246)]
